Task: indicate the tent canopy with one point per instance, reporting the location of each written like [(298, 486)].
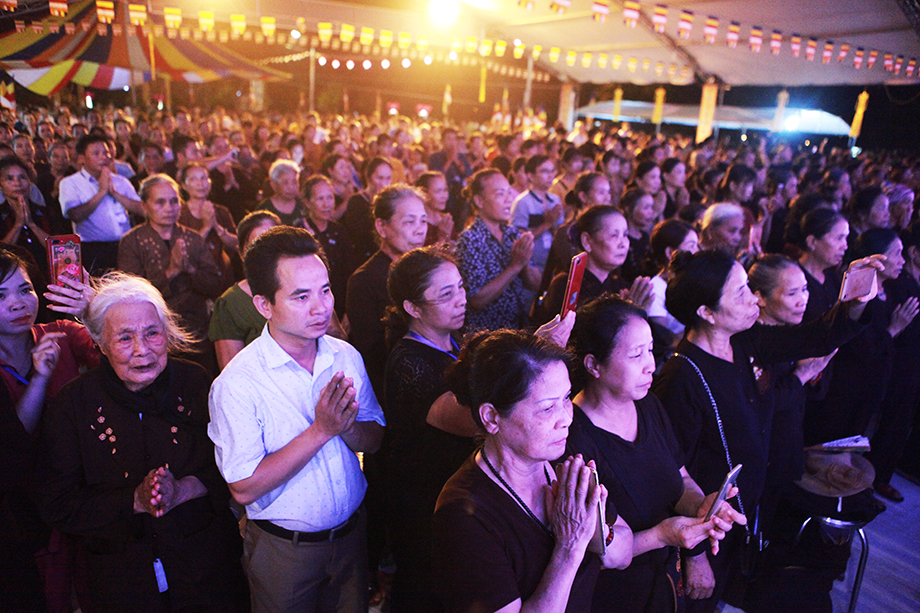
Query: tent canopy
[(45, 61), (878, 25), (807, 121)]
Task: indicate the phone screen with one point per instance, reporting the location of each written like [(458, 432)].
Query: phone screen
[(65, 257)]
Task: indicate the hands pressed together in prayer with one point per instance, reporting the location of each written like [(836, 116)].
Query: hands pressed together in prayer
[(160, 492)]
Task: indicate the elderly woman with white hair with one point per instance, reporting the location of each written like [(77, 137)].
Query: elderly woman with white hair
[(286, 201), (126, 465), (723, 229)]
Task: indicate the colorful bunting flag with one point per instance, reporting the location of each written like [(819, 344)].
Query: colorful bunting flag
[(810, 49), (660, 18), (59, 8), (346, 33), (526, 4), (711, 29), (601, 10), (586, 60), (519, 51), (268, 28), (324, 30), (602, 60), (873, 55), (404, 40), (685, 24), (630, 13), (102, 29), (70, 27), (776, 42), (37, 27), (672, 71), (570, 58), (367, 36), (535, 52), (20, 26), (9, 5), (911, 66), (559, 6), (659, 69), (7, 92), (844, 49), (205, 21), (889, 62), (646, 63), (632, 64), (173, 17), (472, 43), (137, 13), (500, 47), (899, 61), (105, 11), (117, 29), (796, 44), (485, 47), (554, 54), (616, 62), (828, 52), (238, 26), (734, 34), (755, 40), (386, 39)]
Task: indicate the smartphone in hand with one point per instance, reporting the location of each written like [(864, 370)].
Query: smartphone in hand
[(730, 480), (857, 283), (573, 285), (65, 257)]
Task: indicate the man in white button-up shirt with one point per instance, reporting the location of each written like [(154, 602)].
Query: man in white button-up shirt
[(288, 415), (97, 201)]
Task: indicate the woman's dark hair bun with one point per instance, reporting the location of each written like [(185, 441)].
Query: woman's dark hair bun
[(679, 259), (458, 373)]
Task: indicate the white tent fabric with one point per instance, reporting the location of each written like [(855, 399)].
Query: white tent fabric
[(729, 117), (871, 24)]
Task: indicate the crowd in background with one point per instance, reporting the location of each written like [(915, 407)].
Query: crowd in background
[(712, 283)]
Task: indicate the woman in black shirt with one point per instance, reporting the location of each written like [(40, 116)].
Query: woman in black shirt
[(626, 431)]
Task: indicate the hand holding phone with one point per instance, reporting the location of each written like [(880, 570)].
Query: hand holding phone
[(65, 257), (727, 485), (573, 285)]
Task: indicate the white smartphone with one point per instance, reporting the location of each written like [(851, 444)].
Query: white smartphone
[(730, 480), (598, 542)]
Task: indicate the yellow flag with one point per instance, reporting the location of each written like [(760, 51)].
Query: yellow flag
[(856, 126), (659, 106), (707, 111)]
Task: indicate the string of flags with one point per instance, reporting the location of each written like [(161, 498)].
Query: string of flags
[(633, 12), (349, 38)]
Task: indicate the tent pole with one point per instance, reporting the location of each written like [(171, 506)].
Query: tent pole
[(167, 90), (528, 85), (312, 79), (715, 130)]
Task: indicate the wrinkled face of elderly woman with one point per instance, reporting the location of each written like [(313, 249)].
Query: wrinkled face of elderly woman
[(134, 340)]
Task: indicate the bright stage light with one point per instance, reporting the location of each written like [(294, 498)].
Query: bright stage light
[(366, 64), (350, 64), (127, 88), (428, 60), (452, 56), (443, 13), (385, 63), (322, 60), (336, 63), (406, 62), (792, 123), (295, 34)]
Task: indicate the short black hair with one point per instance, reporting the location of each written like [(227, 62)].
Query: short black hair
[(698, 281), (262, 257), (598, 328), (89, 139)]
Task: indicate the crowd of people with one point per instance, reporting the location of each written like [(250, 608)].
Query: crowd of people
[(320, 363)]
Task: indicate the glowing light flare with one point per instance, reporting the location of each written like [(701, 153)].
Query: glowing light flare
[(428, 60), (336, 64), (295, 34), (322, 60), (385, 63), (350, 64), (406, 62), (443, 13), (366, 64)]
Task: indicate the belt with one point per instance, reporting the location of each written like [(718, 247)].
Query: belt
[(309, 537)]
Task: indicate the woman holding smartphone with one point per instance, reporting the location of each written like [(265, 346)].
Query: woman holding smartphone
[(625, 430)]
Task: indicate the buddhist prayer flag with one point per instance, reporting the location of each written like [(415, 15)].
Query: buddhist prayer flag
[(535, 52), (888, 64), (346, 32), (560, 6), (873, 55), (59, 8), (554, 54), (386, 39), (672, 70), (37, 27), (570, 58), (616, 62), (472, 43), (105, 11), (734, 34), (70, 27), (602, 60), (173, 17), (601, 10), (685, 24), (756, 39), (586, 60), (367, 36), (20, 25), (238, 26), (632, 64), (525, 4), (268, 26), (844, 49), (810, 49), (630, 13), (660, 18), (404, 41), (899, 61), (711, 29), (9, 5), (137, 13), (911, 66), (645, 64), (776, 42), (795, 44), (659, 69), (519, 51), (205, 21), (485, 47), (500, 48), (828, 52)]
